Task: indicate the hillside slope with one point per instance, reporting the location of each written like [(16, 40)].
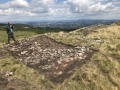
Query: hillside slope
[(56, 60), (21, 68), (103, 70)]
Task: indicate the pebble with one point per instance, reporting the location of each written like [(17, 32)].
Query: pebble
[(59, 73), (8, 74), (24, 52), (59, 62)]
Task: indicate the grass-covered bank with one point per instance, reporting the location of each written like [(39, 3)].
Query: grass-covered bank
[(103, 71)]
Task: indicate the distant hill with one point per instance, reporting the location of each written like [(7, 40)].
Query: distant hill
[(70, 24), (65, 24)]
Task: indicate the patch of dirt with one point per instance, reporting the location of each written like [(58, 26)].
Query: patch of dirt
[(3, 53), (56, 60), (9, 83), (3, 82)]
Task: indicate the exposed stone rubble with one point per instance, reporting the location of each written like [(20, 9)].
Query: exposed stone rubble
[(3, 80), (56, 60)]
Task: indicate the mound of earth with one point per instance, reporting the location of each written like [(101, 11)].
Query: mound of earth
[(56, 60)]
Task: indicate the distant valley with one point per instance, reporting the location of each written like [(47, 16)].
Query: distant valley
[(69, 24), (65, 24)]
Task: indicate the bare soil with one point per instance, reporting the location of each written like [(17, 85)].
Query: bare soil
[(54, 59)]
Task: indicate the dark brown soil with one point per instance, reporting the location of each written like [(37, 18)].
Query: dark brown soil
[(56, 60), (8, 83)]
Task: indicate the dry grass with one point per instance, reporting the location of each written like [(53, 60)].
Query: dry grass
[(118, 22), (103, 71), (26, 74), (73, 38)]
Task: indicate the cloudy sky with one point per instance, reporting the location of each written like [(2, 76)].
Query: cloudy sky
[(29, 10)]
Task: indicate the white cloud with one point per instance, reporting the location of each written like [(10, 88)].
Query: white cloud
[(15, 4), (19, 3), (38, 9), (12, 12), (41, 6), (59, 12), (16, 7), (99, 7), (87, 5), (78, 5)]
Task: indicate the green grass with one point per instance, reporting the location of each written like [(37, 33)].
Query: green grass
[(21, 32)]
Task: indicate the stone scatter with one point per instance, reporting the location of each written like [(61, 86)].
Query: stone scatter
[(56, 60)]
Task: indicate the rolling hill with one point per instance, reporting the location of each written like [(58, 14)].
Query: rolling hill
[(84, 59)]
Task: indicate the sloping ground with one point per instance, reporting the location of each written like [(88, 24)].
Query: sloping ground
[(102, 72), (16, 76), (12, 84), (56, 60), (76, 37), (90, 29)]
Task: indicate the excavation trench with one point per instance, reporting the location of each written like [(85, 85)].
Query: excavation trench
[(54, 59)]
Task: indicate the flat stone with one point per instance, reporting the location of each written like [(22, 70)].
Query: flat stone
[(59, 62), (59, 72), (24, 52)]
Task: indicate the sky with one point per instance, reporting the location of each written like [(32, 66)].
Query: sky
[(36, 10)]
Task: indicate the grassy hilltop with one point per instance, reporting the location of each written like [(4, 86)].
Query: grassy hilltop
[(102, 72)]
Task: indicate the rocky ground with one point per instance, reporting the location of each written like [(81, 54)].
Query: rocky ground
[(8, 83), (56, 60)]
